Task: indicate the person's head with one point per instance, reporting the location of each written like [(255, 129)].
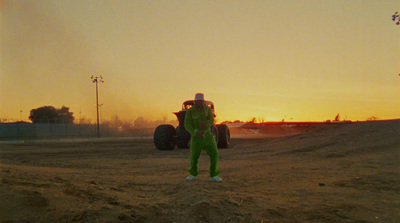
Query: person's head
[(199, 99)]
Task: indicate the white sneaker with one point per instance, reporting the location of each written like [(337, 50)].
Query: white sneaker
[(216, 179), (191, 178)]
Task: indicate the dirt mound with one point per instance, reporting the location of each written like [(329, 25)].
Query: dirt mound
[(337, 173)]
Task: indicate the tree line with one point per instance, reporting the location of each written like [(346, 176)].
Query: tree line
[(50, 114)]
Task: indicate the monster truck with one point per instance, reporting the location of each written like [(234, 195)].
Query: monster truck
[(166, 136)]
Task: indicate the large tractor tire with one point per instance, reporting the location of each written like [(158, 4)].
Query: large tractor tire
[(224, 136), (165, 137), (183, 137)]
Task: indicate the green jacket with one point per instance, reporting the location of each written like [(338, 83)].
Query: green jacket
[(194, 118)]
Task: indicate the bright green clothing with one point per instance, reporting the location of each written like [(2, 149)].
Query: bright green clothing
[(193, 120)]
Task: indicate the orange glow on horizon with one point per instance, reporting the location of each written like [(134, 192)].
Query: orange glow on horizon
[(249, 58)]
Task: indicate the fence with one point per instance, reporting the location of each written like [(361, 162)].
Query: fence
[(61, 130)]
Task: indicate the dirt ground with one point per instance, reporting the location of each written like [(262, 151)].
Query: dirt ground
[(343, 173)]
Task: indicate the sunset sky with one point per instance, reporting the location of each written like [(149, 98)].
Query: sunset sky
[(270, 59)]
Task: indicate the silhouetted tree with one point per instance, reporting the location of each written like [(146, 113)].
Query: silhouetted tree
[(253, 120), (85, 121), (50, 114), (64, 115), (337, 118), (140, 122)]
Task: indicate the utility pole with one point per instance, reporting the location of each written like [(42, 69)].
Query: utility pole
[(396, 19), (96, 80), (100, 112)]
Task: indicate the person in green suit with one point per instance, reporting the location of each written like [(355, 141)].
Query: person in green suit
[(198, 122)]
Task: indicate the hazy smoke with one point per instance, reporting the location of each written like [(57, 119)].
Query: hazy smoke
[(35, 43), (47, 61)]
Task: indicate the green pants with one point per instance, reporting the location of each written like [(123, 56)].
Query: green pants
[(197, 144)]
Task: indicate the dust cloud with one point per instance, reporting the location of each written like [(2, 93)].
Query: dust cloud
[(43, 62), (46, 61)]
